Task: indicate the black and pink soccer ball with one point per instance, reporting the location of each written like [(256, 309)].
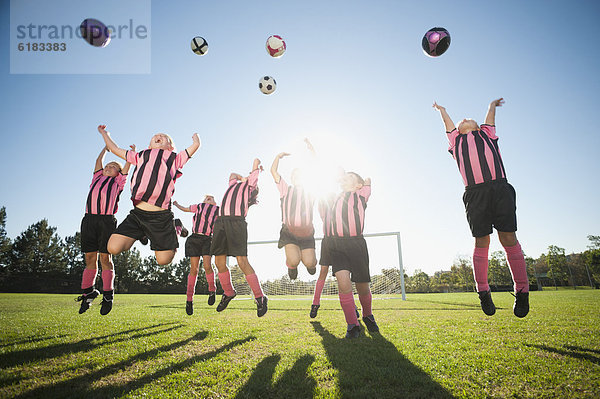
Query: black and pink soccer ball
[(436, 41)]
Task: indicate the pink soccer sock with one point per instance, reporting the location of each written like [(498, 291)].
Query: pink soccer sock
[(349, 308), (252, 280), (88, 279), (225, 279), (518, 268), (191, 286), (480, 268), (365, 303), (210, 278), (108, 280), (318, 291)]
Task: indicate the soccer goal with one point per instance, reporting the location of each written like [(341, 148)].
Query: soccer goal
[(385, 263)]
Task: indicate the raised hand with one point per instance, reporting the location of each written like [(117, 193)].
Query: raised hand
[(438, 107), (497, 103)]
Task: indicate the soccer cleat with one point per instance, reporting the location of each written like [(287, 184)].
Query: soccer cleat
[(353, 332), (292, 273), (370, 323), (189, 308), (261, 305), (521, 306), (211, 297), (107, 302), (487, 305), (144, 240), (313, 310), (224, 302), (182, 231), (311, 270), (86, 300)]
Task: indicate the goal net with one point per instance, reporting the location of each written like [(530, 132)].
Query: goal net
[(385, 264)]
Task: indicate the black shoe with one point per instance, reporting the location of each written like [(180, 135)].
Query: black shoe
[(183, 231), (370, 323), (521, 306), (311, 270), (224, 302), (86, 300), (354, 332), (313, 310), (293, 273), (144, 240), (487, 305), (107, 302), (211, 297), (189, 308), (261, 305)]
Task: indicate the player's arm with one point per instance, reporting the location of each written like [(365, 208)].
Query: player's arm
[(182, 208), (275, 166), (110, 144), (449, 125), (367, 181), (100, 160), (195, 145), (256, 165), (490, 118), (127, 164)]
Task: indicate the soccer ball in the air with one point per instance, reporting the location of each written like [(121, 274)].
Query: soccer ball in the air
[(95, 32), (275, 46), (199, 45), (435, 42), (267, 84)]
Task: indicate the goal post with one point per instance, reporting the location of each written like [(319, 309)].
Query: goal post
[(389, 281)]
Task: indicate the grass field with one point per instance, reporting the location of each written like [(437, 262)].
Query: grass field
[(432, 345)]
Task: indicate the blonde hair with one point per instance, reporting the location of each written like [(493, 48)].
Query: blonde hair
[(359, 179)]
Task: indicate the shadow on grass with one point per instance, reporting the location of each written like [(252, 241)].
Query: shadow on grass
[(31, 340), (81, 386), (571, 351), (21, 357), (371, 366), (294, 383)]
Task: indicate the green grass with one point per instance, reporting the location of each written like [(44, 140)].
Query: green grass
[(432, 345)]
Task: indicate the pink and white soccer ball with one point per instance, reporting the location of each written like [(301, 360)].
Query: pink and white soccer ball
[(275, 46)]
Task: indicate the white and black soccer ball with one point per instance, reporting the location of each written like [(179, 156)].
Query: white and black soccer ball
[(267, 84), (199, 45)]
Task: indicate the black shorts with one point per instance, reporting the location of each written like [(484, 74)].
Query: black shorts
[(325, 259), (197, 245), (157, 226), (95, 232), (350, 253), (491, 204), (230, 236), (286, 237)]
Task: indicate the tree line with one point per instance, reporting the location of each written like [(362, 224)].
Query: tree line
[(39, 260)]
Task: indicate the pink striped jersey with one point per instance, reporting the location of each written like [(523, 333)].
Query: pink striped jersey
[(103, 198), (204, 218), (325, 211), (477, 155), (348, 212), (153, 179), (235, 200), (296, 205)]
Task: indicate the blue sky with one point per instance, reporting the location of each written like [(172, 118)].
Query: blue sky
[(355, 80)]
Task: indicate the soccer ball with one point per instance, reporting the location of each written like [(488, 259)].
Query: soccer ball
[(436, 41), (199, 45), (275, 46), (267, 84), (95, 32)]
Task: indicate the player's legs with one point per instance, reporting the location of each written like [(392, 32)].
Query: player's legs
[(309, 258), (209, 272), (118, 243), (164, 257), (518, 269), (224, 275), (252, 279), (108, 283), (347, 299), (366, 299), (192, 277), (320, 284), (292, 259)]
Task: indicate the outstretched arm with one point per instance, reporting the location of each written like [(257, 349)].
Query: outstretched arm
[(100, 160), (449, 125), (195, 145), (275, 166), (110, 144), (490, 118), (182, 208), (127, 164), (256, 165)]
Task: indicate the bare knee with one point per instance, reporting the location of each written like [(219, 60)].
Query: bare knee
[(482, 242), (164, 257), (507, 239), (324, 272), (91, 260), (363, 288), (194, 262), (244, 265), (106, 261)]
